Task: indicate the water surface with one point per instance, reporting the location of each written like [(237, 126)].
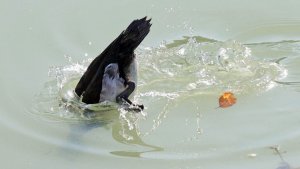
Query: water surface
[(195, 51)]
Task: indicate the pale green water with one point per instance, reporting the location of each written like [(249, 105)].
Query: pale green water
[(46, 45)]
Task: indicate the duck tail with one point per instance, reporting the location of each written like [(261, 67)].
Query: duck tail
[(134, 34), (120, 51)]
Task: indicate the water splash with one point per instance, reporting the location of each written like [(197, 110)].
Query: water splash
[(208, 66), (193, 65)]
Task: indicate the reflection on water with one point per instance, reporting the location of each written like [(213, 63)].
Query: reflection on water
[(126, 131), (283, 164), (123, 131)]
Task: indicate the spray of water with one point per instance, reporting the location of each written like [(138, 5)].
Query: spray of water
[(166, 73)]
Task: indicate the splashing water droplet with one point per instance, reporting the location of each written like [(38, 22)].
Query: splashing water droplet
[(187, 66)]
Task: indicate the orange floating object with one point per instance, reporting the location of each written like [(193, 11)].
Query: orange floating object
[(227, 99)]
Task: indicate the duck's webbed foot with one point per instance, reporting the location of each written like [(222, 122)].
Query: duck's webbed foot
[(126, 93)]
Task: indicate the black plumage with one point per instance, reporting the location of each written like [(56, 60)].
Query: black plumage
[(120, 51)]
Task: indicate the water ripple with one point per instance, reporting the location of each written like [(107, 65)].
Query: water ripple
[(182, 68)]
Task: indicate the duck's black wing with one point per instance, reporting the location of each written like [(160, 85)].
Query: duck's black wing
[(120, 51)]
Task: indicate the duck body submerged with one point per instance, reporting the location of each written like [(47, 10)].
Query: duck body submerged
[(115, 65)]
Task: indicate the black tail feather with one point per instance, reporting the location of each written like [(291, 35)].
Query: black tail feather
[(119, 51), (135, 34)]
